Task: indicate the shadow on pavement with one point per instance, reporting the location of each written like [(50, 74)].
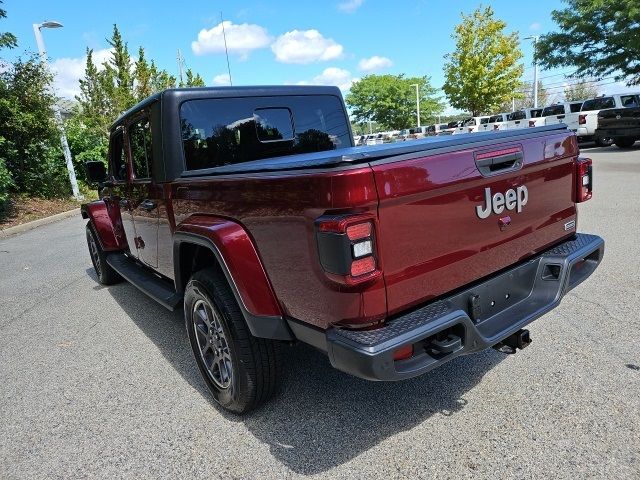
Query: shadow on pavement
[(322, 417)]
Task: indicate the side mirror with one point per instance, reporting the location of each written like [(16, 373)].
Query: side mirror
[(96, 172)]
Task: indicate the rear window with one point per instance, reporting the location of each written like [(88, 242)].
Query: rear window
[(598, 104), (484, 121), (553, 110), (519, 115), (495, 119), (227, 131), (536, 113)]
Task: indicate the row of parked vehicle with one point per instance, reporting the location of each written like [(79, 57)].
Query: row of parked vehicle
[(581, 116)]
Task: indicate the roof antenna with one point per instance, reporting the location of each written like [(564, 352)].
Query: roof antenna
[(224, 35), (180, 67)]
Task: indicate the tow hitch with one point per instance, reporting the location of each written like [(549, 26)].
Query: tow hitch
[(514, 342)]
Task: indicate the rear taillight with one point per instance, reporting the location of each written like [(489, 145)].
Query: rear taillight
[(496, 127), (582, 119), (584, 180), (346, 247), (532, 123)]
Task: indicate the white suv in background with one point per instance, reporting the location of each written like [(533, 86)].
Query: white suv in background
[(527, 117), (497, 122), (566, 113), (472, 125), (588, 116)]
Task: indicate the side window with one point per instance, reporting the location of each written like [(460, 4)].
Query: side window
[(117, 159), (575, 107), (141, 148), (629, 101)]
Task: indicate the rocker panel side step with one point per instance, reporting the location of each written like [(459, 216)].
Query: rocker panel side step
[(158, 289)]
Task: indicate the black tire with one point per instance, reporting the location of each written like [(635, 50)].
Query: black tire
[(604, 141), (625, 142), (106, 274), (228, 346)]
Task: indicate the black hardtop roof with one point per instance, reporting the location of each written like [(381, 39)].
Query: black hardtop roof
[(187, 93)]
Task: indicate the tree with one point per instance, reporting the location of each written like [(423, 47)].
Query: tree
[(597, 37), (95, 105), (390, 100), (581, 90), (142, 76), (483, 72), (117, 74), (29, 139), (193, 80), (7, 40), (526, 98)]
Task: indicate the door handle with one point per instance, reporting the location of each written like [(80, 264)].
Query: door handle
[(148, 205), (499, 161)]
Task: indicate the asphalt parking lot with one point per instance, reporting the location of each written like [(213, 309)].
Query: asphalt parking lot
[(100, 382)]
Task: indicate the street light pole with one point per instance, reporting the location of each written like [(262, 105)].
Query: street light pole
[(535, 70), (417, 101), (56, 109)]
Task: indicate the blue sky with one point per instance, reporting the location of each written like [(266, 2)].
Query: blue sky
[(277, 42)]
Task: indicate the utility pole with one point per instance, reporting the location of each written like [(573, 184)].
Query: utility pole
[(417, 101), (56, 108), (535, 70)]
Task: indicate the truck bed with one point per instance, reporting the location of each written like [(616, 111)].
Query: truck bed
[(369, 153)]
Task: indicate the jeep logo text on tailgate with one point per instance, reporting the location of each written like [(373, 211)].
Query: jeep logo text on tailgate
[(511, 199)]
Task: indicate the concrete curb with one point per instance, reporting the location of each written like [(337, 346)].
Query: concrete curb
[(25, 227)]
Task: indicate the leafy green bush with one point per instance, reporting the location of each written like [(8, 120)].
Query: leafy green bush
[(31, 142), (86, 144), (5, 183)]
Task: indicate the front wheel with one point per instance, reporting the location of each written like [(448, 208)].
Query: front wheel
[(625, 142), (106, 274), (240, 370)]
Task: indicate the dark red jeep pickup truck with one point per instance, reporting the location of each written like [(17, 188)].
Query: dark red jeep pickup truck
[(251, 209)]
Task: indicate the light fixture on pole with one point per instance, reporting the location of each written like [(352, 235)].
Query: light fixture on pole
[(417, 101), (535, 69), (37, 27)]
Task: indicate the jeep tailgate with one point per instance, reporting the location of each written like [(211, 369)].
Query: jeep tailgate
[(432, 237)]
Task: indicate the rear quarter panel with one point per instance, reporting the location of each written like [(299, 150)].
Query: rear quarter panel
[(278, 211)]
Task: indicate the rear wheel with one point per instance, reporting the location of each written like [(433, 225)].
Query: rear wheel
[(240, 370), (625, 142), (604, 141), (106, 274)]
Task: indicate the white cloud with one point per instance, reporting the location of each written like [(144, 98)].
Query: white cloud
[(350, 6), (241, 39), (222, 79), (332, 76), (535, 26), (305, 46), (374, 63), (68, 72)]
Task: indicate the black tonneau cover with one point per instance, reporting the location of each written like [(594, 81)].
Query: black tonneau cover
[(354, 155)]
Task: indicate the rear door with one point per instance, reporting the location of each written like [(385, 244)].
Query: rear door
[(448, 219)]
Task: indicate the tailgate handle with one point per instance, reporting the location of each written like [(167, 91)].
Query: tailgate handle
[(500, 161)]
